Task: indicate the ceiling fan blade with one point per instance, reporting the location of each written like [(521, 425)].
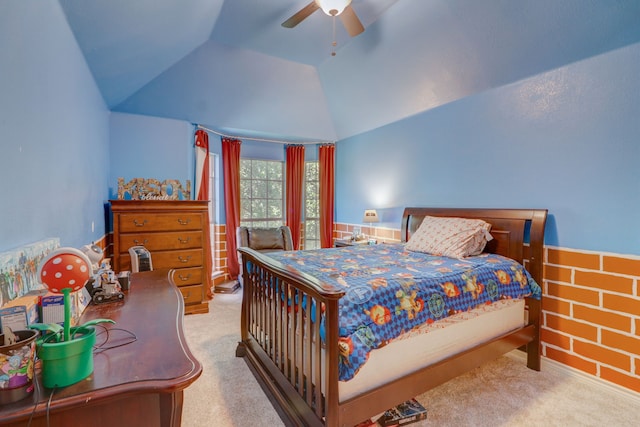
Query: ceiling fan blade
[(351, 22), (301, 15)]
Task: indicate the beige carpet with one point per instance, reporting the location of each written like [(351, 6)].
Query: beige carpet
[(501, 393)]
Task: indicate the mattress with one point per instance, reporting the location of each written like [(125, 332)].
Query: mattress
[(434, 342), (388, 291)]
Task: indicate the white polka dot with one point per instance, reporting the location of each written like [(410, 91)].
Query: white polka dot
[(72, 282), (58, 275), (69, 267), (44, 272), (57, 260), (54, 290), (83, 268)]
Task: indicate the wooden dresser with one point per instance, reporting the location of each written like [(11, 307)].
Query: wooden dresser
[(175, 234)]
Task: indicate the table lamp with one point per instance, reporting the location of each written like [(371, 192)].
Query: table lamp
[(370, 216)]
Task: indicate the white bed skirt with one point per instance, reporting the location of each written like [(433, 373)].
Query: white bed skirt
[(434, 342)]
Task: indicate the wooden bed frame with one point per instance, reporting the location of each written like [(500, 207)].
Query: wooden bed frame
[(291, 369)]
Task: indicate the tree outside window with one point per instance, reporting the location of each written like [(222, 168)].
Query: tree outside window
[(262, 197), (261, 193), (311, 205)]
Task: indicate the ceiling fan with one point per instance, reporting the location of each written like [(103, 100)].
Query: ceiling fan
[(341, 8)]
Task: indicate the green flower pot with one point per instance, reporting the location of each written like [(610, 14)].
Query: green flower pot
[(67, 362)]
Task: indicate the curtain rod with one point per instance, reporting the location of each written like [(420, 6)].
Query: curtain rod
[(264, 139)]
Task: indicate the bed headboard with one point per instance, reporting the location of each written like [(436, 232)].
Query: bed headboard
[(508, 228)]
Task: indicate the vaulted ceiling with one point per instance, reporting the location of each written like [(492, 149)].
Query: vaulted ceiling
[(231, 66)]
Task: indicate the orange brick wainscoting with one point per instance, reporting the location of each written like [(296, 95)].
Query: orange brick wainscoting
[(591, 313)]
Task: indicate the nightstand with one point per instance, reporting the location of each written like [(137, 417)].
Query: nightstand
[(338, 243)]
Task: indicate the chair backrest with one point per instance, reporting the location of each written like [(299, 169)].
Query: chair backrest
[(265, 239)]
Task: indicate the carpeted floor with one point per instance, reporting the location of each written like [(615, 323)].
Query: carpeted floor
[(501, 393)]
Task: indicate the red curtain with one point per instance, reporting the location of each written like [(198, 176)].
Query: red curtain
[(294, 190), (202, 165), (326, 156), (231, 174), (202, 193)]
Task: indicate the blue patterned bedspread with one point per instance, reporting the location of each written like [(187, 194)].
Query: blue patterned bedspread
[(390, 290)]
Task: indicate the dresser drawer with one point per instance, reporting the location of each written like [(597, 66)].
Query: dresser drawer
[(162, 241), (187, 276), (192, 294), (167, 259), (177, 259), (148, 221)]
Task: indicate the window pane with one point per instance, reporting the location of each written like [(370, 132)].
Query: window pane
[(312, 229), (275, 190), (312, 170), (312, 206), (275, 208), (261, 193), (258, 208), (245, 169), (245, 209), (259, 169), (258, 189), (245, 189), (275, 171)]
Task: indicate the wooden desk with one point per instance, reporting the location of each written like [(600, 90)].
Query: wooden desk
[(137, 384)]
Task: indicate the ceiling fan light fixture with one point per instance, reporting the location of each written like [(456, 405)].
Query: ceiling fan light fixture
[(335, 6)]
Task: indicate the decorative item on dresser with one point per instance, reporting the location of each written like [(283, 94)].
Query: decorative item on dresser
[(174, 232)]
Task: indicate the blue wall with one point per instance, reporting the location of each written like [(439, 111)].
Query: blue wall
[(150, 147), (54, 131), (566, 140)]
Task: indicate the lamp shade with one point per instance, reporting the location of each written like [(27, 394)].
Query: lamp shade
[(65, 268), (330, 5), (370, 215)]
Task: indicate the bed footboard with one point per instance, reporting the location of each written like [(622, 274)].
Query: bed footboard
[(282, 337)]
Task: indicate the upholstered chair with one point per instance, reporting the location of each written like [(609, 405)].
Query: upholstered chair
[(263, 240)]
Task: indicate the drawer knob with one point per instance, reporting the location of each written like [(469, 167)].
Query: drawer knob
[(137, 242), (184, 260), (139, 224), (184, 241), (184, 278), (184, 221)]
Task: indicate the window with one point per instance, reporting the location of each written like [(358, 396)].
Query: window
[(261, 193), (213, 185), (311, 205)]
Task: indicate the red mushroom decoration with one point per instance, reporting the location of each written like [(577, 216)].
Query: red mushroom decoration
[(65, 268), (63, 271)]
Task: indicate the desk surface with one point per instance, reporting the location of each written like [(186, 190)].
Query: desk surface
[(158, 361)]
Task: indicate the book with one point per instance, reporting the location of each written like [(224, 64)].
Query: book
[(405, 413), (367, 423)]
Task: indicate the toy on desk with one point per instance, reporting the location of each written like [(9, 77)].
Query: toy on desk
[(95, 255), (105, 286)]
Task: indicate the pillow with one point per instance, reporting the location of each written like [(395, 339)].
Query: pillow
[(451, 237)]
